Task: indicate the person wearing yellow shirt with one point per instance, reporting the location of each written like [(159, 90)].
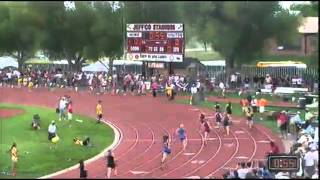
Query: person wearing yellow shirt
[(99, 111), (25, 81), (14, 158), (249, 115), (169, 90), (30, 85), (77, 141), (19, 82)]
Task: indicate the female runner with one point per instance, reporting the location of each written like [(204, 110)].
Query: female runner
[(181, 133)]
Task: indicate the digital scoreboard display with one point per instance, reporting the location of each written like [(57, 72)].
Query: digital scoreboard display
[(155, 42), (283, 163)]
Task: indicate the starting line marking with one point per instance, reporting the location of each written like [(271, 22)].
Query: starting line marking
[(229, 145), (188, 154), (193, 177), (138, 172), (197, 162), (241, 157), (239, 132)]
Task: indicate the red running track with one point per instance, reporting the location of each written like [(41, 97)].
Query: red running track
[(143, 121)]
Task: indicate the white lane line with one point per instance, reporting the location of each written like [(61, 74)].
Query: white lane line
[(235, 152), (138, 172), (159, 154), (242, 157), (116, 141), (209, 139), (147, 149), (178, 167), (134, 145), (216, 153)]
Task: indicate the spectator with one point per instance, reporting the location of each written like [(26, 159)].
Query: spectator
[(282, 124), (308, 116), (83, 172), (255, 81), (274, 149), (296, 123), (62, 107), (246, 83), (217, 107), (14, 158), (154, 88), (52, 130), (242, 171), (310, 163), (194, 91), (316, 135), (222, 89), (233, 79), (36, 122), (111, 164), (70, 111)]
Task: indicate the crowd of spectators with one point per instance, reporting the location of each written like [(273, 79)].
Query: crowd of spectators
[(269, 81), (136, 83)]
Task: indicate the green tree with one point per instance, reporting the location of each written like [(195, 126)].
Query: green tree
[(152, 11), (20, 31), (238, 30), (67, 32), (106, 33)]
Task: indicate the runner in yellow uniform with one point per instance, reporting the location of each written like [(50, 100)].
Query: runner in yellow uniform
[(99, 111), (14, 158)]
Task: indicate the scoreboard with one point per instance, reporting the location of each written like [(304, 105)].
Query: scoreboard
[(155, 42)]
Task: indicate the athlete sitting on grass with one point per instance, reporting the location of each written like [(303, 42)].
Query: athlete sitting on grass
[(35, 122), (78, 141)]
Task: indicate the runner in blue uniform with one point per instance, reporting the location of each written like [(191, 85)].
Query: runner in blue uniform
[(165, 150), (181, 133)]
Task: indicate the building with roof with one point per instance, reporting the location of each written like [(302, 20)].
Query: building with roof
[(305, 44)]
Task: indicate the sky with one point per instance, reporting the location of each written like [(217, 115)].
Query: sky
[(287, 4)]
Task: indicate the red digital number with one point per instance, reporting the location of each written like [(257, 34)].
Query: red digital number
[(169, 49), (285, 163), (176, 42), (292, 163), (129, 42), (156, 35), (136, 42), (162, 35), (276, 163)]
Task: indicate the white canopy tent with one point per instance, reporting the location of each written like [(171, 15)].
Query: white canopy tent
[(214, 63), (8, 61), (95, 67), (99, 67)]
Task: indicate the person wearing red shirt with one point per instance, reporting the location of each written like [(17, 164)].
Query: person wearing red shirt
[(70, 111), (282, 122), (273, 148)]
